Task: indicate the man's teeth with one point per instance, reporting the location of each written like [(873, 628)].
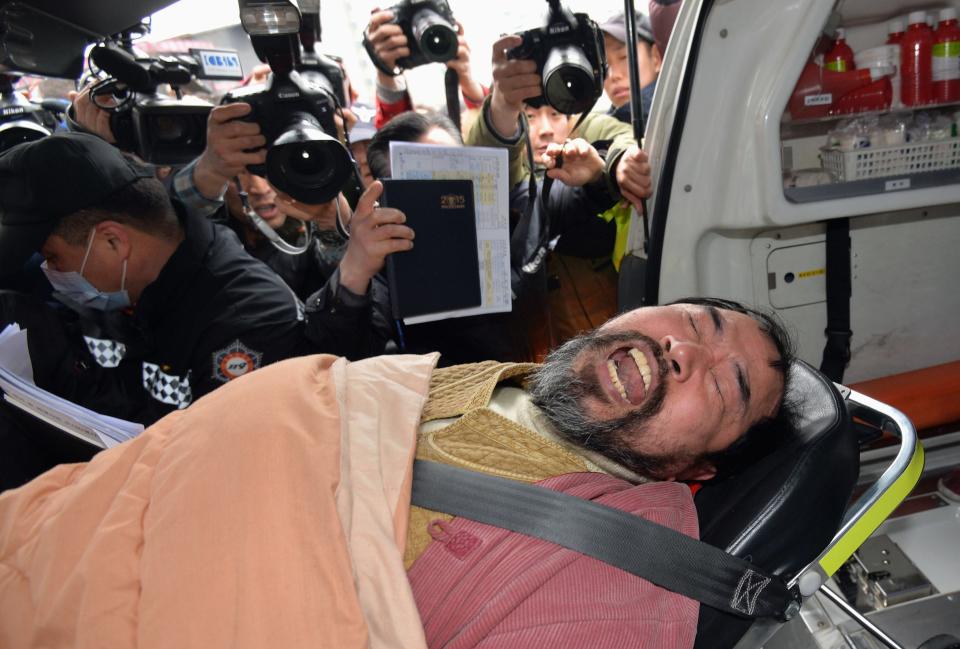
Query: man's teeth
[(612, 368), (642, 365)]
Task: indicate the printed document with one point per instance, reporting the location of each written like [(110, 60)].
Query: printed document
[(487, 168)]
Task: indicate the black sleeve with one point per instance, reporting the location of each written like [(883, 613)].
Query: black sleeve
[(341, 322), (574, 217)]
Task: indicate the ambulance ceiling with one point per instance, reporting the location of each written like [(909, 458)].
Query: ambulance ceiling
[(48, 37)]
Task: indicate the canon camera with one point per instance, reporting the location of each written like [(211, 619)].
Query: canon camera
[(295, 108)]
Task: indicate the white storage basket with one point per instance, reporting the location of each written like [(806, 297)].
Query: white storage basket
[(895, 160)]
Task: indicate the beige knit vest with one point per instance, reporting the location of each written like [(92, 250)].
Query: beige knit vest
[(480, 439)]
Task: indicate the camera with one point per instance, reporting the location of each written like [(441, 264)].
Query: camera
[(570, 58), (295, 108), (21, 120), (431, 33), (160, 129)]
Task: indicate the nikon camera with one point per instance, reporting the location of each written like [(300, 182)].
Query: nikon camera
[(431, 33), (570, 59)]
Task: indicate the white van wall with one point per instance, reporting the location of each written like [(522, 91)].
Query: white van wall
[(731, 232)]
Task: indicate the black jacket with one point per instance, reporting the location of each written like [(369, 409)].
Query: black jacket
[(338, 321), (213, 314)]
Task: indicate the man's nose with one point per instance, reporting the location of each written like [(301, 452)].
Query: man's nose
[(685, 357)]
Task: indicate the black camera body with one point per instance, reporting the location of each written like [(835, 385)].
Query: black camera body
[(295, 111), (430, 29), (570, 58), (21, 120)]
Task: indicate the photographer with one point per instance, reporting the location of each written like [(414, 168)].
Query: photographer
[(388, 44), (627, 170)]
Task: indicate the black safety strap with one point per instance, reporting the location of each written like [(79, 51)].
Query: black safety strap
[(836, 352), (656, 553), (451, 89)]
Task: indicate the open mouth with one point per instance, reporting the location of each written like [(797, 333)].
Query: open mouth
[(630, 373), (267, 211)]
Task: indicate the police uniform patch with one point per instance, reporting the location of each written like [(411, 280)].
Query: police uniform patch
[(107, 353), (235, 360), (167, 388)]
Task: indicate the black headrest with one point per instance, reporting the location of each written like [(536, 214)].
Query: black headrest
[(782, 512)]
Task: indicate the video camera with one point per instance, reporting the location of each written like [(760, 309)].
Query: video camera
[(295, 108), (158, 128), (431, 34), (22, 120), (570, 58)]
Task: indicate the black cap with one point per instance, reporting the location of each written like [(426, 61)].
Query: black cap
[(616, 26), (43, 181)]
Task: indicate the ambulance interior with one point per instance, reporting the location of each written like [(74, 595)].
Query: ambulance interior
[(760, 142)]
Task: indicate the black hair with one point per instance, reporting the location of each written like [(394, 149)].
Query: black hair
[(405, 127), (143, 204), (765, 435)]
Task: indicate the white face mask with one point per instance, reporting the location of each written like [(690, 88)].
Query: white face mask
[(73, 286)]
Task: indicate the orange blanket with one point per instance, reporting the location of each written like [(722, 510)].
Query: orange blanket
[(272, 512)]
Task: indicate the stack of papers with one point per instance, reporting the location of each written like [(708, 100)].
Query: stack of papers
[(16, 381)]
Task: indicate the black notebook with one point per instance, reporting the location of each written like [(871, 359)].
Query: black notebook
[(442, 271)]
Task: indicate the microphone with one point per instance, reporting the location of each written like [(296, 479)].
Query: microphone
[(121, 65)]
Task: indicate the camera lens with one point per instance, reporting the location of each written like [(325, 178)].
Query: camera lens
[(568, 83), (14, 133), (164, 131), (436, 37), (307, 163)]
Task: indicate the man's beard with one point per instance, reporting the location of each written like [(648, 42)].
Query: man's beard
[(560, 392)]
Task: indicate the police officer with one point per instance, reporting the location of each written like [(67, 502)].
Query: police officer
[(162, 307)]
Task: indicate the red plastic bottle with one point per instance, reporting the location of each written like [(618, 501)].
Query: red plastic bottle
[(894, 32), (840, 57), (916, 51), (818, 89), (946, 58)]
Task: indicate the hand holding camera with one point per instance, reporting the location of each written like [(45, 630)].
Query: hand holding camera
[(89, 116), (574, 163), (387, 39), (633, 175), (232, 144), (513, 81), (375, 232), (428, 32)]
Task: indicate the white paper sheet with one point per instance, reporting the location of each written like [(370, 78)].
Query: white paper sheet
[(16, 381), (487, 168)]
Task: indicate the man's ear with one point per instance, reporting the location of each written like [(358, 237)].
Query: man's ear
[(117, 236), (656, 57), (700, 471)]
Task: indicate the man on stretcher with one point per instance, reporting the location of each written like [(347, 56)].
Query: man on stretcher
[(276, 510)]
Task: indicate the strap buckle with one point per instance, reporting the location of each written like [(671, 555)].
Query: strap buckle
[(838, 340)]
